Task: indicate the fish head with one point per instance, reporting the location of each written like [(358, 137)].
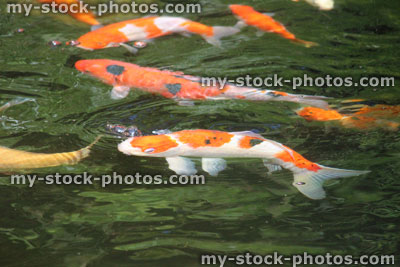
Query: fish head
[(147, 146), (96, 39), (319, 114), (106, 70)]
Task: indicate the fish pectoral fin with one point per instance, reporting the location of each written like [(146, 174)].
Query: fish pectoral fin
[(185, 34), (213, 165), (96, 27), (259, 33), (131, 49), (271, 167), (185, 103), (269, 14), (119, 92), (181, 165), (240, 25)]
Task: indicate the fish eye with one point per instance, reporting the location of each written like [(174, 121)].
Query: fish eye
[(149, 150), (300, 183)]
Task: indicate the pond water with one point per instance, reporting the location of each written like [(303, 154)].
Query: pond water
[(243, 209)]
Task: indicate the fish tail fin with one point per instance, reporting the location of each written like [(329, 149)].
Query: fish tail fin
[(307, 44), (240, 25), (250, 93), (220, 32), (309, 183), (84, 152)]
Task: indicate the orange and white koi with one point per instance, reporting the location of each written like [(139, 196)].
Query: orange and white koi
[(147, 28), (321, 4), (88, 18), (360, 120), (213, 146), (176, 85), (12, 159), (265, 23)]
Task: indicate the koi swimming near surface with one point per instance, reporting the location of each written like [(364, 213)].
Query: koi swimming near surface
[(264, 23), (176, 85), (148, 28), (213, 146)]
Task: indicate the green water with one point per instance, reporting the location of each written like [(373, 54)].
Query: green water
[(241, 210)]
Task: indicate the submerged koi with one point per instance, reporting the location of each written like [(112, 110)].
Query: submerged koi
[(248, 16), (213, 146), (321, 4), (11, 159), (359, 120), (147, 28), (88, 18), (179, 86)]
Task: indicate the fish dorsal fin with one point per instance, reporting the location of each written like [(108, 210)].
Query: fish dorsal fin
[(181, 165), (213, 165), (271, 167), (248, 133)]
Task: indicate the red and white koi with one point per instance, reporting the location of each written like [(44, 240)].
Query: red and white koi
[(176, 85), (265, 23), (213, 146), (148, 28)]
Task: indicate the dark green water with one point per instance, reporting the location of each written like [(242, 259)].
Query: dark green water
[(241, 210)]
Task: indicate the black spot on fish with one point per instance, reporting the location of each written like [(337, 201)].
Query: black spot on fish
[(273, 94), (208, 142), (254, 142), (173, 88), (115, 69)]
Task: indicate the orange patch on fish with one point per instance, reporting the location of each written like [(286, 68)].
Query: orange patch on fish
[(318, 114), (159, 143), (249, 141), (298, 160), (195, 27), (281, 93), (203, 138)]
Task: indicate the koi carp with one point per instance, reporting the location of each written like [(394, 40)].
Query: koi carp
[(264, 23), (213, 146), (148, 28), (88, 18), (12, 159), (176, 85), (361, 120)]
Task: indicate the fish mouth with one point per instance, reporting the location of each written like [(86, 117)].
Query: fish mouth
[(126, 148)]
